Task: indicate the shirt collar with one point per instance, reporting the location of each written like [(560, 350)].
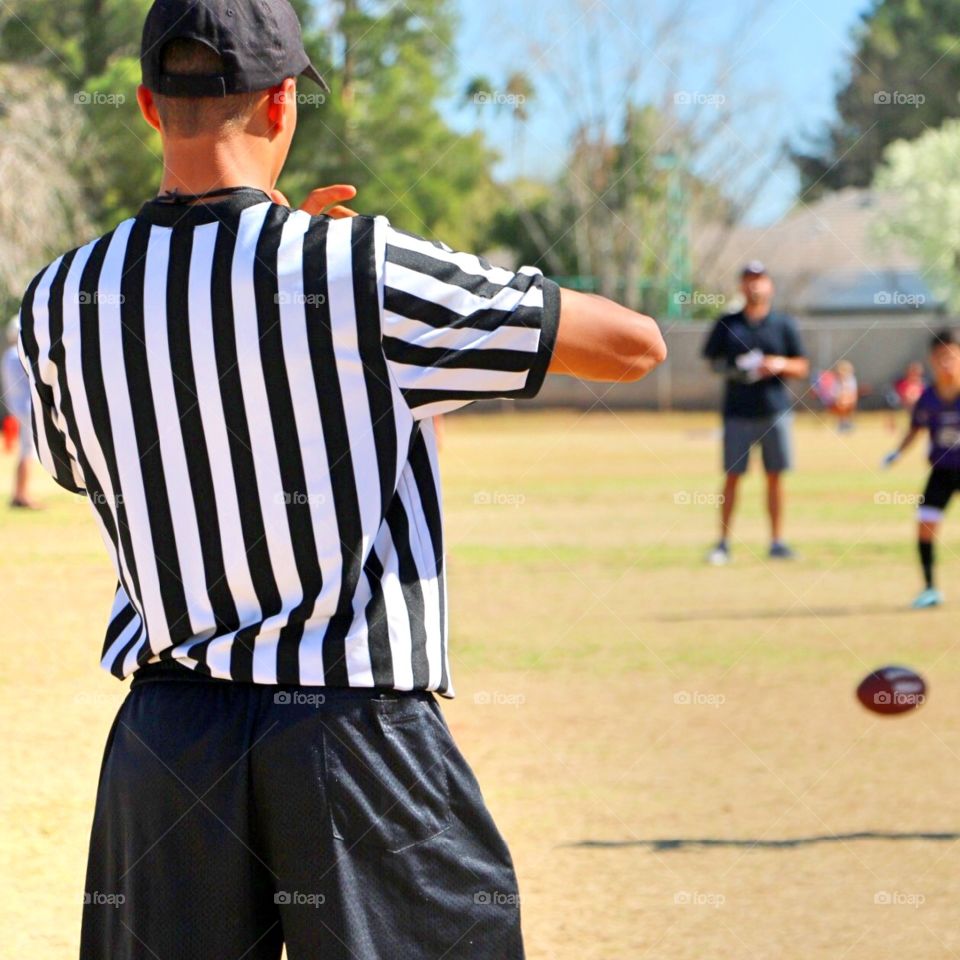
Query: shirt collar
[(175, 214)]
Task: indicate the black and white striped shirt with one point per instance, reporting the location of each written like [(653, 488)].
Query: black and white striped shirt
[(244, 394)]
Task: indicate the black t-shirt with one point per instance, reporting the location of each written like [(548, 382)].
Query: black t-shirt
[(734, 335)]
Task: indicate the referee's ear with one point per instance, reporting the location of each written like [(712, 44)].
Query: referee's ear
[(282, 107), (148, 107)]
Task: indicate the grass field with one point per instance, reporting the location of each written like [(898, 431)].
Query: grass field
[(673, 752)]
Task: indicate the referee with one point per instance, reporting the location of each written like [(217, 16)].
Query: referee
[(244, 394)]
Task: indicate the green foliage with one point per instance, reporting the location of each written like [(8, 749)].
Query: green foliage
[(534, 211), (904, 78), (381, 130), (75, 39), (128, 149), (923, 176)]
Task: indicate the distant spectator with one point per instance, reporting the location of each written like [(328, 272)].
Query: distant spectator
[(839, 392), (905, 392), (16, 395)]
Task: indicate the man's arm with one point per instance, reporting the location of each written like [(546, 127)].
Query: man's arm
[(789, 368), (53, 451), (793, 365), (715, 352), (598, 339)]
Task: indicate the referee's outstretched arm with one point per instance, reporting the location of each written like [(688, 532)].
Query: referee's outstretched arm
[(598, 339)]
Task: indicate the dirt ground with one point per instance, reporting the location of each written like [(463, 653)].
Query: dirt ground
[(673, 752)]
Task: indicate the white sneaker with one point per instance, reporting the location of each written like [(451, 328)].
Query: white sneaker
[(719, 556)]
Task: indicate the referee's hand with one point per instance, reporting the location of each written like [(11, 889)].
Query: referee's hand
[(324, 200)]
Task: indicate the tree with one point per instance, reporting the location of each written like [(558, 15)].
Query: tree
[(384, 132), (645, 160), (389, 64), (903, 79), (42, 205), (922, 175), (74, 39)]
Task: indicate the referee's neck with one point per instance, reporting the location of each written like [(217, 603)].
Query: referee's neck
[(199, 165)]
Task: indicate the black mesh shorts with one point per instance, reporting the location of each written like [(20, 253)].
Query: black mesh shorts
[(232, 819), (941, 487)]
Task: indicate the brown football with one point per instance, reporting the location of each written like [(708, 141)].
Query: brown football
[(892, 690)]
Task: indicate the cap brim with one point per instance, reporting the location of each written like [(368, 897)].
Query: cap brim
[(314, 75)]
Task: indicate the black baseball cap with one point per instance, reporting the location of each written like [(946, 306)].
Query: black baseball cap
[(755, 268), (259, 40)]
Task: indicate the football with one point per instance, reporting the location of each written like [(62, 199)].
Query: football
[(892, 690)]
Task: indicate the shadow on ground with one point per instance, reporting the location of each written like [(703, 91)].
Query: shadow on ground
[(681, 843), (800, 613)]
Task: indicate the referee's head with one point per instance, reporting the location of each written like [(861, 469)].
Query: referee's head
[(222, 68)]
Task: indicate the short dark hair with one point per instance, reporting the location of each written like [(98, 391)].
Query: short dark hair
[(194, 116), (943, 338)]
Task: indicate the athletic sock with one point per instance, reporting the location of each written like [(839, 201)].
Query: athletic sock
[(926, 560)]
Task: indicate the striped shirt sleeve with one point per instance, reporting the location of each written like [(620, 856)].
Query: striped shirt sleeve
[(51, 442), (457, 329)]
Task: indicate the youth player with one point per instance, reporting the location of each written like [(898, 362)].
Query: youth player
[(937, 410)]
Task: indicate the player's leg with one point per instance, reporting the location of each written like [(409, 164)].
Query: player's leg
[(936, 496), (174, 870), (777, 446), (21, 490), (775, 506), (378, 834), (739, 437)]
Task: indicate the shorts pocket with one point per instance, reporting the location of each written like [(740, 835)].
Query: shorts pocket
[(386, 776)]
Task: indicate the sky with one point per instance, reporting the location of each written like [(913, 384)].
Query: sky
[(785, 57)]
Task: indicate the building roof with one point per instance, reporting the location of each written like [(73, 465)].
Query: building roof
[(826, 257)]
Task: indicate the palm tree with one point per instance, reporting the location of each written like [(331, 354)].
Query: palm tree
[(520, 91)]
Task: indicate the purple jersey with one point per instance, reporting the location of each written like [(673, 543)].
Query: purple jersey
[(942, 419)]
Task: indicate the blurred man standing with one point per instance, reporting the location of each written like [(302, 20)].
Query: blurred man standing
[(758, 350)]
